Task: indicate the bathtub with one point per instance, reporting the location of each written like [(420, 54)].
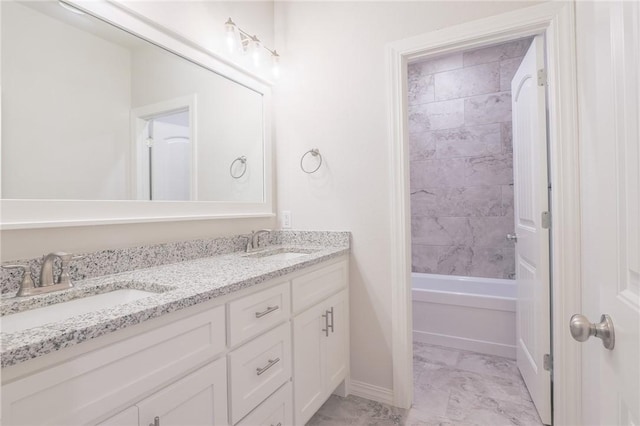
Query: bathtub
[(476, 314)]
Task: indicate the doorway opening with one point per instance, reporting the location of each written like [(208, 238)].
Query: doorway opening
[(168, 156), (164, 151), (470, 301), (555, 22)]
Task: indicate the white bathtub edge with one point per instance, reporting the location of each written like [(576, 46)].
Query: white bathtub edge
[(490, 348)]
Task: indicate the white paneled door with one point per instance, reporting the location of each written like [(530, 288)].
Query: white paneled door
[(608, 79), (533, 336)]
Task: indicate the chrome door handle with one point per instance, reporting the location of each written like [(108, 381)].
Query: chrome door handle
[(581, 329), (267, 311), (512, 237), (330, 312), (270, 364)]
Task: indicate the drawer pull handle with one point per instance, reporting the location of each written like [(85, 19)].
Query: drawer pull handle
[(267, 311), (330, 312), (328, 326), (156, 422), (279, 424), (270, 364), (326, 323)]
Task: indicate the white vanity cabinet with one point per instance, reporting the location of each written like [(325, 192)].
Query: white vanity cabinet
[(78, 386), (320, 334), (230, 361), (199, 399)]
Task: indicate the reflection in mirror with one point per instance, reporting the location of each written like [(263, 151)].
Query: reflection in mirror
[(91, 112)]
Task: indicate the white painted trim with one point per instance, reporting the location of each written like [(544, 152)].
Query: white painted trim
[(481, 346), (372, 392), (37, 213), (556, 21)]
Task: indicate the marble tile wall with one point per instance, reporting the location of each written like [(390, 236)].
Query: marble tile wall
[(461, 161)]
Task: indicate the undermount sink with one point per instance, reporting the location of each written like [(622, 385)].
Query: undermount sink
[(285, 256), (60, 311), (280, 254)]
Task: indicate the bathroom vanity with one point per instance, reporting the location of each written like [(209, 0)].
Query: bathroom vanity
[(236, 339)]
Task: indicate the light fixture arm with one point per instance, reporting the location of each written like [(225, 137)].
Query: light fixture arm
[(246, 38)]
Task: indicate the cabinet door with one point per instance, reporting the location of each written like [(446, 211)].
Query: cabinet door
[(276, 410), (199, 399), (337, 344), (128, 417), (308, 353)]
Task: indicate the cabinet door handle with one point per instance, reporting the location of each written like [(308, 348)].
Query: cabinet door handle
[(270, 364), (267, 311), (330, 311), (156, 422), (326, 323)]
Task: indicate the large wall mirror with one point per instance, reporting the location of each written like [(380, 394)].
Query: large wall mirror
[(109, 118)]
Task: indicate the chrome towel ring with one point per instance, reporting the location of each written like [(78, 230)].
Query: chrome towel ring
[(243, 161), (314, 152)]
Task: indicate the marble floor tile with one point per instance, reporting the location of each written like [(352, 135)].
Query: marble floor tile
[(354, 410), (451, 387), (487, 410), (488, 364)]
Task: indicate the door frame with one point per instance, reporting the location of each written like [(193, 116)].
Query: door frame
[(556, 20), (139, 169)]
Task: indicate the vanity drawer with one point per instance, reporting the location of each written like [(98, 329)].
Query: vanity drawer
[(315, 286), (275, 411), (258, 368), (258, 312), (109, 377)]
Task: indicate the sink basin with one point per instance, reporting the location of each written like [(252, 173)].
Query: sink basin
[(285, 256), (60, 311), (280, 253)]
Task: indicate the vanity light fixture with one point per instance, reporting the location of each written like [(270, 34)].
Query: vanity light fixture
[(238, 39), (71, 8)]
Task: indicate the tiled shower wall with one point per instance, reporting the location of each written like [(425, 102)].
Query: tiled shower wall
[(461, 161)]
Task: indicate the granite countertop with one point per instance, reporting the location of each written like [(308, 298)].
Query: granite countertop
[(177, 286)]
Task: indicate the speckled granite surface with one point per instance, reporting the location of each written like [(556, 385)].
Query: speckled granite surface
[(175, 286), (109, 262)]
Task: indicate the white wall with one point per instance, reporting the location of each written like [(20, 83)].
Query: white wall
[(332, 96), (199, 22), (81, 98)]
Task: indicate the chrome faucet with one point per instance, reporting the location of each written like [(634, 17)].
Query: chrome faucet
[(48, 282), (47, 276), (253, 243)]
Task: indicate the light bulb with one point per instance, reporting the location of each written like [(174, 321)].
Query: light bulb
[(232, 35), (275, 64), (256, 50)]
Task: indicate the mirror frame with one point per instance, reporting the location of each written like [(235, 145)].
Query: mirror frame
[(40, 213)]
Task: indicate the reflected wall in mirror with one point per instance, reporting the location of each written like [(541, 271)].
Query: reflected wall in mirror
[(92, 112)]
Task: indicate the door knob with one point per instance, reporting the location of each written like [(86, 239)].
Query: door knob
[(581, 329), (512, 237)]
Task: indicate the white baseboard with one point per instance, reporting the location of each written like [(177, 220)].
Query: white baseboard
[(372, 392), (481, 346)]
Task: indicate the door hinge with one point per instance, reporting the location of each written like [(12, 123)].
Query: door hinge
[(545, 219), (542, 77), (547, 362)]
